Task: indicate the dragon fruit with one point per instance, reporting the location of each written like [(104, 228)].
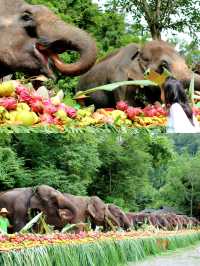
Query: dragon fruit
[(46, 118), (49, 107), (37, 106), (122, 106), (195, 110), (9, 103), (133, 112), (23, 94), (71, 112)]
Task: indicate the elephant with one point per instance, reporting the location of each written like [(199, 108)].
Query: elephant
[(92, 208), (120, 216), (58, 210), (132, 217), (32, 37), (137, 219), (130, 63)]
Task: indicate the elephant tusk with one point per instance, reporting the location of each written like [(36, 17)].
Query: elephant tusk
[(110, 223)]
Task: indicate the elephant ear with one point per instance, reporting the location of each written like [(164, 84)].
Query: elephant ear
[(65, 214), (47, 194), (132, 68), (96, 208), (91, 210)]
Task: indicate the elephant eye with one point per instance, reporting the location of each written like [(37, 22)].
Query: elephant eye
[(165, 64), (29, 24), (27, 16), (162, 66)]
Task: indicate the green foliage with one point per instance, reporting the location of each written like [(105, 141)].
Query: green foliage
[(182, 186), (133, 169), (158, 16), (124, 170), (61, 161), (11, 168)]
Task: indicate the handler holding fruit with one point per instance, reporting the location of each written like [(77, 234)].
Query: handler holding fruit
[(4, 222)]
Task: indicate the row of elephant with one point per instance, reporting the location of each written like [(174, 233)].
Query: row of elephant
[(59, 208), (165, 221), (32, 37), (62, 208)]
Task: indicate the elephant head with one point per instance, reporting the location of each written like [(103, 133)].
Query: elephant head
[(100, 213), (158, 55), (130, 63), (32, 37), (120, 216), (58, 209)]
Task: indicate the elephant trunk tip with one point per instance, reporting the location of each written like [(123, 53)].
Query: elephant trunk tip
[(80, 41)]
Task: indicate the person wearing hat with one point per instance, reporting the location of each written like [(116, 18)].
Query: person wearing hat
[(4, 222)]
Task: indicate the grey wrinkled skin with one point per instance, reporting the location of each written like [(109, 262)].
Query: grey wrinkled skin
[(93, 209), (58, 210), (130, 63), (32, 37)]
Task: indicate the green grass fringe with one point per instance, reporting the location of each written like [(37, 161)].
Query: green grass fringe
[(101, 253), (52, 129)]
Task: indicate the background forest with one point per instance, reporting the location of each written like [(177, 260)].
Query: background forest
[(135, 171)]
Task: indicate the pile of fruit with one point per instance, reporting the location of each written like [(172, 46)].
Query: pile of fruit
[(24, 241), (20, 105)]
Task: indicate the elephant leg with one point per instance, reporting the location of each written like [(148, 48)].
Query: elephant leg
[(20, 216), (119, 93), (19, 221)]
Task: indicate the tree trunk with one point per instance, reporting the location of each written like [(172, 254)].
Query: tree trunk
[(155, 32), (110, 181), (191, 201)]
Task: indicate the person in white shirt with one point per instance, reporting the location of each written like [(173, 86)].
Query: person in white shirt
[(180, 117)]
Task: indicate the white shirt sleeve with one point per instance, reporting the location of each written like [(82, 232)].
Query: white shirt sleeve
[(179, 122)]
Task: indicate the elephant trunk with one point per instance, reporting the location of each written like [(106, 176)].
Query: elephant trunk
[(111, 217), (126, 222), (187, 81), (62, 37)]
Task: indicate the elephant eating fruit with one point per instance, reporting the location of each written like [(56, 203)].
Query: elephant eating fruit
[(130, 63), (94, 209), (58, 210), (32, 37)]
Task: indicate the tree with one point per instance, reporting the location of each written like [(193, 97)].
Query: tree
[(68, 163), (182, 189), (161, 15), (11, 168), (123, 175)]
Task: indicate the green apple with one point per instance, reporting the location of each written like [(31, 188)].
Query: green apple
[(26, 118), (23, 107), (7, 88)]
